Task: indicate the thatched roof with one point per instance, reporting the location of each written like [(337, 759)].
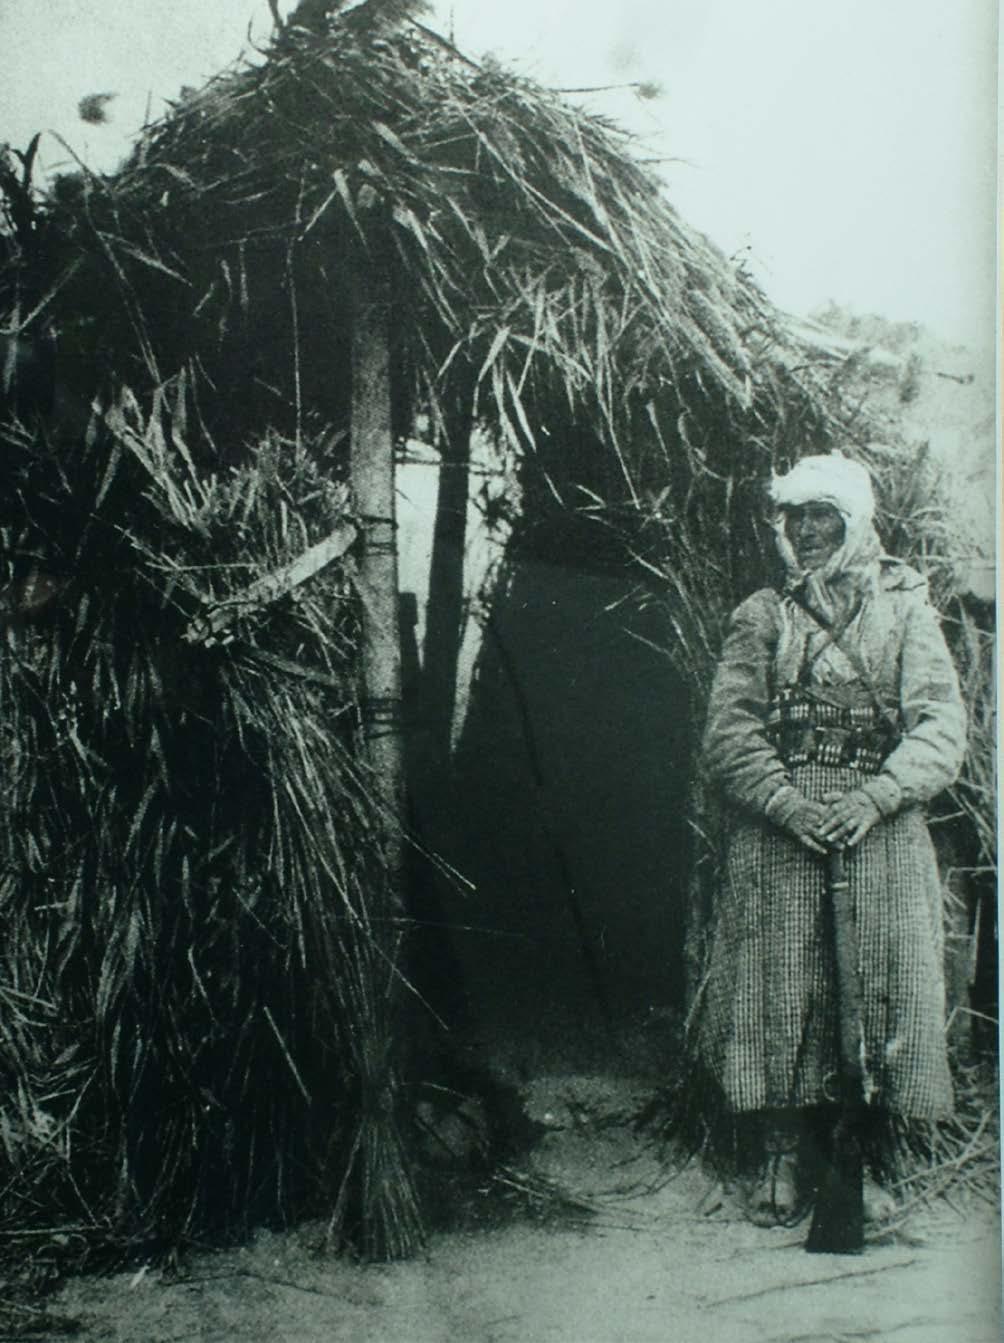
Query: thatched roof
[(531, 259), (523, 243)]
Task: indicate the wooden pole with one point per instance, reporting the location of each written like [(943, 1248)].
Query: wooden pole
[(379, 1172), (372, 481)]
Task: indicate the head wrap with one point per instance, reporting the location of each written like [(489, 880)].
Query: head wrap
[(830, 478), (834, 479)]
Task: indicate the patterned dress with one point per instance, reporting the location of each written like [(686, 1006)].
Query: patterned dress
[(790, 710)]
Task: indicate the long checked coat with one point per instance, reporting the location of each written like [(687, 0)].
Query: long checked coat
[(767, 1023)]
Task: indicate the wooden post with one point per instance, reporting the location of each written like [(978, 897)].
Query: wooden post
[(372, 480), (379, 1174)]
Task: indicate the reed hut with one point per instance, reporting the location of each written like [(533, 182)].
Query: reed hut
[(212, 358)]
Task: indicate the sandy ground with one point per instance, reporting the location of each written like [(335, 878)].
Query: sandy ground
[(655, 1261)]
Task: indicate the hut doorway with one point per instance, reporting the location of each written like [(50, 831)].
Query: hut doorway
[(566, 811)]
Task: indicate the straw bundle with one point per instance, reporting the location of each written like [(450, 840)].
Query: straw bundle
[(194, 1031)]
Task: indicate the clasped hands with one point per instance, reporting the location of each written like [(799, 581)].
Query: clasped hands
[(841, 820)]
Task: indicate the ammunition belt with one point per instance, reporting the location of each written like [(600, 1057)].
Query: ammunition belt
[(805, 729)]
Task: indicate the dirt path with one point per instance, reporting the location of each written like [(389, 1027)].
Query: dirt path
[(653, 1264)]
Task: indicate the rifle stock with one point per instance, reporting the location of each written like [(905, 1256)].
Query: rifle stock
[(838, 1216)]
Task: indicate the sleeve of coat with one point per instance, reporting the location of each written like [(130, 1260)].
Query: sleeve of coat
[(736, 753), (930, 754)]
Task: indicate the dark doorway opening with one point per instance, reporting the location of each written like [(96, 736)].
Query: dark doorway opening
[(568, 809)]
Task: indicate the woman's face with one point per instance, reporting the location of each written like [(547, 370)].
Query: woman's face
[(816, 531)]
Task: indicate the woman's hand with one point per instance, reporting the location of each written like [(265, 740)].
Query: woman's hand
[(848, 818), (804, 820)]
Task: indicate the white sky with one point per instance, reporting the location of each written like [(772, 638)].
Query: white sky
[(851, 147)]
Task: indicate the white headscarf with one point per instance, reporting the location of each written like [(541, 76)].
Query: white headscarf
[(831, 478)]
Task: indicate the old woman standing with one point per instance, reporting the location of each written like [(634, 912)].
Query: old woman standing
[(835, 716)]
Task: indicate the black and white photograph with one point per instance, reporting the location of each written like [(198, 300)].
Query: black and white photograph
[(498, 671)]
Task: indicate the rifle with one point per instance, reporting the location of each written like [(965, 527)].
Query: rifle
[(838, 1216)]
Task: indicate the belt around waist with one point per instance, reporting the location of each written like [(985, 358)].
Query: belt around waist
[(855, 748)]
